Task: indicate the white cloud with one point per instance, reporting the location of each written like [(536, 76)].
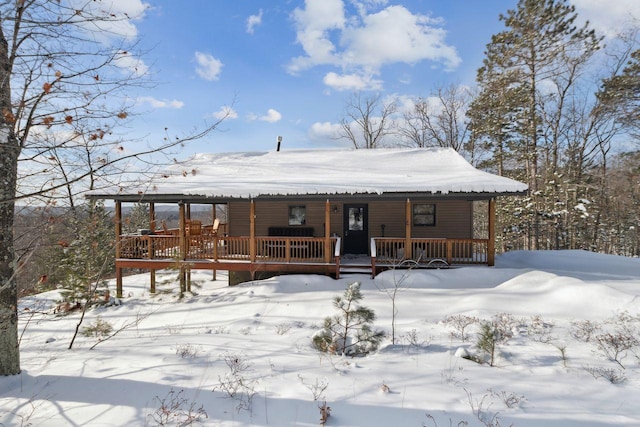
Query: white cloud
[(129, 62), (364, 42), (253, 21), (225, 112), (323, 131), (272, 116), (156, 103), (396, 35), (351, 82), (609, 18), (123, 13), (313, 25), (208, 67)]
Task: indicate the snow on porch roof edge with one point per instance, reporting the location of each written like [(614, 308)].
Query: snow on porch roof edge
[(322, 173)]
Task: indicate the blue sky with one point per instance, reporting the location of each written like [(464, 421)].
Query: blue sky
[(287, 67)]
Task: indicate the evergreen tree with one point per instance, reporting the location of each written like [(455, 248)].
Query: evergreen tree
[(88, 259), (138, 218), (349, 331), (537, 48), (621, 93)]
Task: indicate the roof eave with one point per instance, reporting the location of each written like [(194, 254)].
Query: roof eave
[(198, 198)]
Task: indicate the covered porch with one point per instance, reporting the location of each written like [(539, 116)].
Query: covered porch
[(209, 248)]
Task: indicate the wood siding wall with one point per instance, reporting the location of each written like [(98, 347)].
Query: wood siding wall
[(454, 218)]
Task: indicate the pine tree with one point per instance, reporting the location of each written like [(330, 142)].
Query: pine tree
[(621, 93), (138, 218), (88, 259), (539, 41), (349, 331)]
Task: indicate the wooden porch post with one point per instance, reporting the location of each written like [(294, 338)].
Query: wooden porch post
[(407, 231), (215, 241), (252, 231), (491, 244), (152, 226), (327, 232), (118, 231), (183, 248)]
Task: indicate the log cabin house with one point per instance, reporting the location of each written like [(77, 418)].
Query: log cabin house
[(313, 211)]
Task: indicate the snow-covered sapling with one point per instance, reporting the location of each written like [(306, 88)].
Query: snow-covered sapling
[(494, 332), (349, 331), (99, 328)]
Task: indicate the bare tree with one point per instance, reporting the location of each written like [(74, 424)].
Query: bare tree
[(65, 72), (367, 120), (439, 120)]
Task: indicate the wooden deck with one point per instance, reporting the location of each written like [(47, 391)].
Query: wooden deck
[(292, 254)]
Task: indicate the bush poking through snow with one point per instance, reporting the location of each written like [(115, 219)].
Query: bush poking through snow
[(317, 388), (584, 330), (492, 333), (481, 409), (187, 351), (614, 346), (325, 412), (413, 340), (614, 376), (236, 383), (435, 424), (175, 409), (460, 323), (540, 330), (100, 328), (349, 331), (510, 399), (282, 328)]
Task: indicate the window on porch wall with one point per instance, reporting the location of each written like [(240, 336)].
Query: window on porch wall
[(424, 214), (297, 215)]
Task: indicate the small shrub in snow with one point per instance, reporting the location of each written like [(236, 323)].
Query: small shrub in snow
[(349, 331), (100, 328), (174, 329), (218, 330), (413, 340), (283, 328), (175, 409), (540, 330), (481, 409), (435, 424), (236, 383), (316, 388), (615, 346), (187, 351), (563, 353), (460, 323), (584, 330), (614, 376), (510, 399), (492, 333), (325, 412)]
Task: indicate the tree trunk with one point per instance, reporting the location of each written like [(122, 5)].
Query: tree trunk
[(9, 150), (9, 351)]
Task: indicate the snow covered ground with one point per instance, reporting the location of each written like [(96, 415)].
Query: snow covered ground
[(242, 356)]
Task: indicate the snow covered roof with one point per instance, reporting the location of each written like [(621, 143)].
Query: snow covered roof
[(328, 172)]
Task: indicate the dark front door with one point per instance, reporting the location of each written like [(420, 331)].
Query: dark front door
[(356, 229)]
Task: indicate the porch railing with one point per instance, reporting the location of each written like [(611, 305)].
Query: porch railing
[(388, 250), (384, 250), (267, 249)]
